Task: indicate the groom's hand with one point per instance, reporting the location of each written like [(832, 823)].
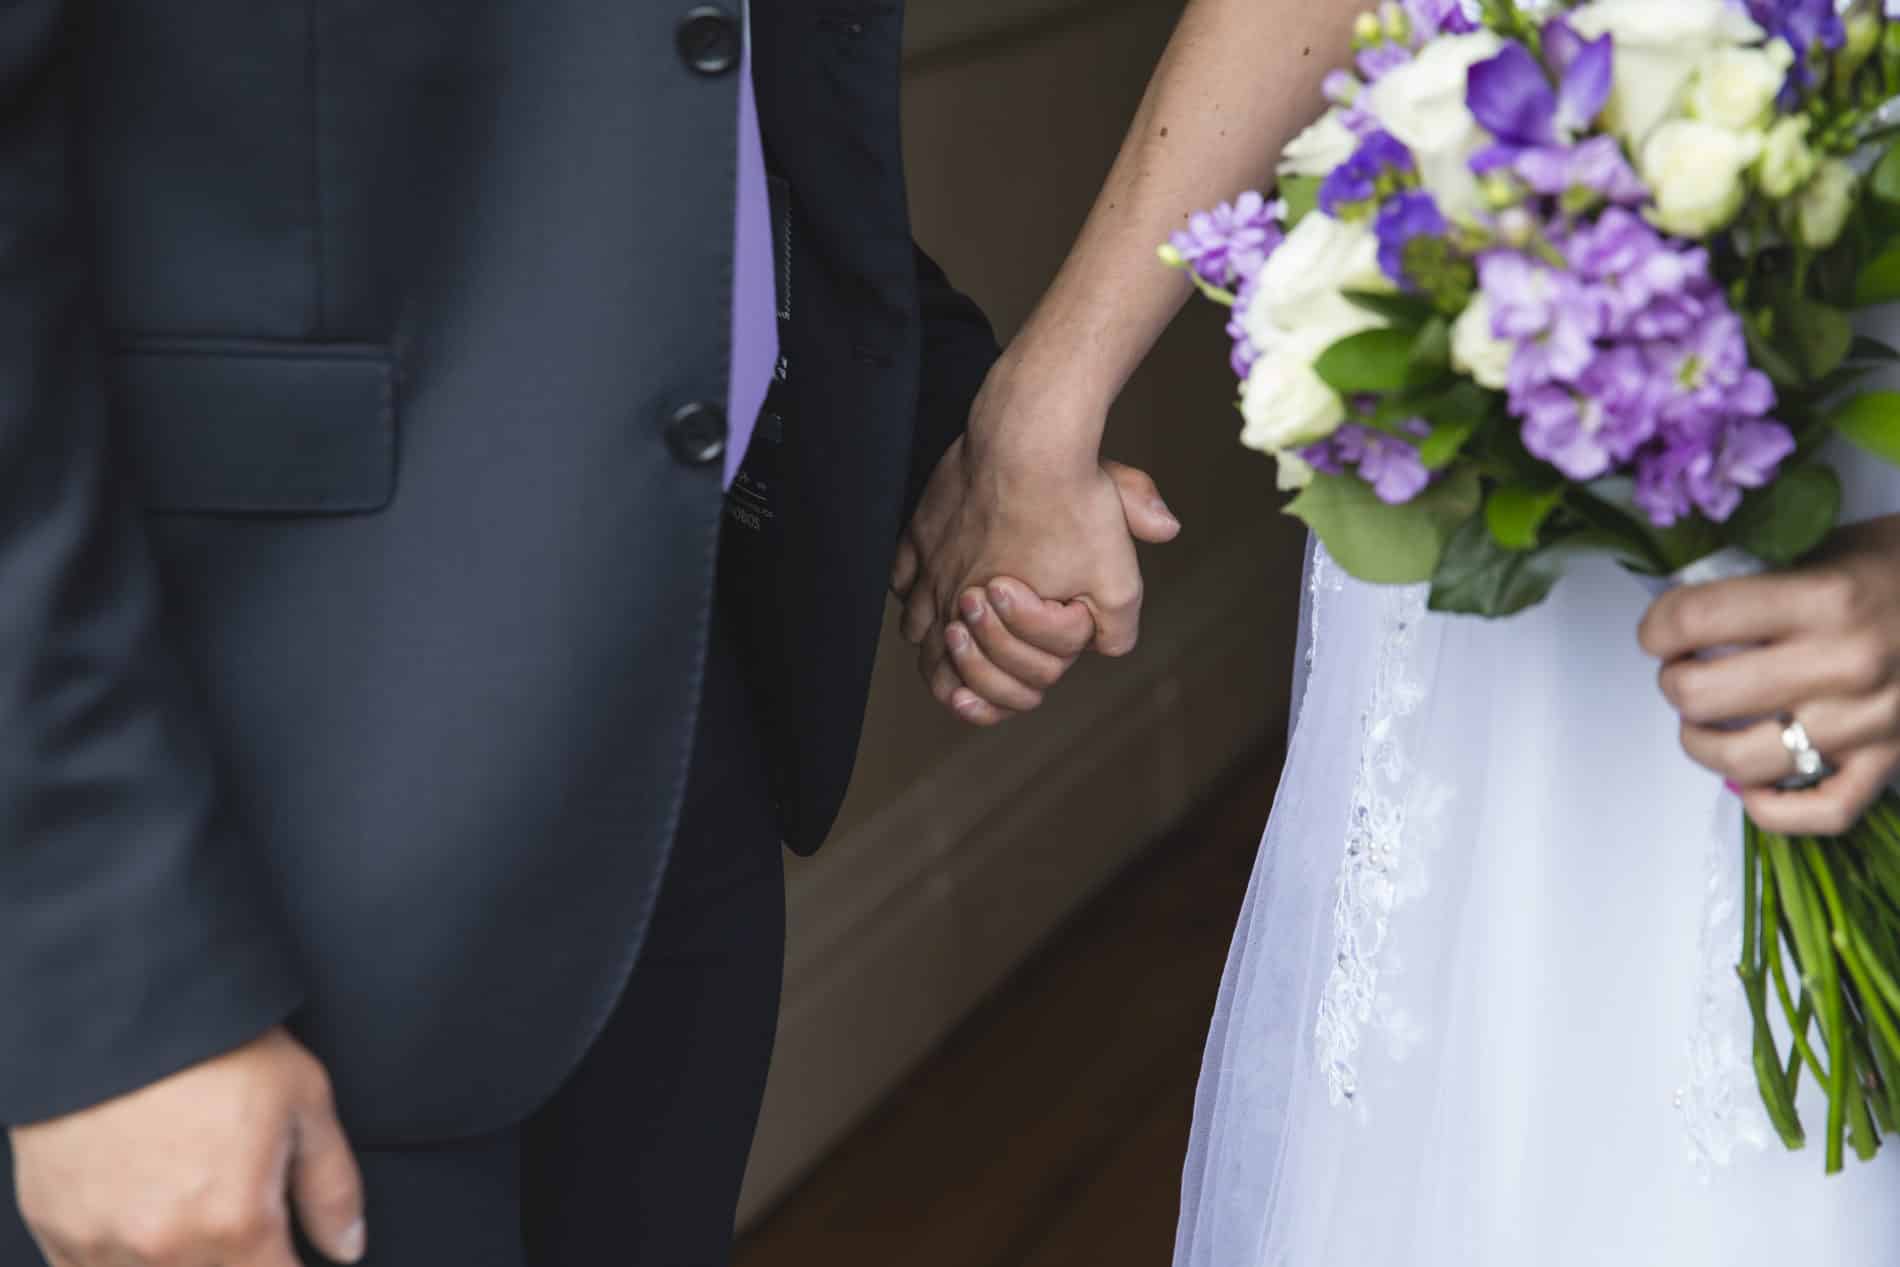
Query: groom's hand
[(198, 1170), (1016, 564)]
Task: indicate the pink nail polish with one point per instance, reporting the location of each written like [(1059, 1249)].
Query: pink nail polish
[(1732, 786)]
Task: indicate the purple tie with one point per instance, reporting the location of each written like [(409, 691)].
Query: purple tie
[(754, 303)]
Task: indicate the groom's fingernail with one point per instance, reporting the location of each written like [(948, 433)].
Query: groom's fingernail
[(959, 640), (1000, 595), (972, 608)]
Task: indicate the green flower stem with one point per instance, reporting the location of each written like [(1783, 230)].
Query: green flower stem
[(1820, 974), (1799, 1018)]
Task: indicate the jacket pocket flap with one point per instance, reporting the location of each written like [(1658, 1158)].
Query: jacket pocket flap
[(243, 428)]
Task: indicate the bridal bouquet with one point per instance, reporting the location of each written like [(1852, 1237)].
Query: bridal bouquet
[(1564, 279)]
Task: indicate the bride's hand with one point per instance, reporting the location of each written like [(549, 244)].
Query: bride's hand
[(1823, 649), (1018, 559)]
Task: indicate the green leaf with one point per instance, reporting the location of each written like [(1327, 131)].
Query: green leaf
[(1790, 516), (1516, 515), (1408, 312), (1431, 354), (1879, 280), (1302, 197), (1478, 577), (1872, 422), (1381, 544), (1768, 357), (1868, 348), (1370, 361), (1823, 335), (1447, 441), (1885, 182)]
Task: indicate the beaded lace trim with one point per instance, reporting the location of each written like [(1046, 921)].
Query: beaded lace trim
[(1386, 844)]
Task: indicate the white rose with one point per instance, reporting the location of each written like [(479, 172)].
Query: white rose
[(1696, 170), (1659, 44), (1476, 349), (1299, 288), (1422, 103), (1295, 472), (1736, 88), (1787, 163), (1319, 149), (1822, 210), (1286, 405)]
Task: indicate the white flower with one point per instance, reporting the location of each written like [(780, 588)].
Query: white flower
[(1422, 103), (1319, 149), (1787, 163), (1299, 288), (1736, 88), (1696, 170), (1822, 210), (1286, 405), (1659, 44), (1295, 472), (1476, 349)]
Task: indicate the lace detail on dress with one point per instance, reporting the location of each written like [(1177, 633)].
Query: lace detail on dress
[(1719, 1106), (1385, 855)]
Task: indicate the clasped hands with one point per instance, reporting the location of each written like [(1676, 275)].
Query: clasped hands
[(1020, 558)]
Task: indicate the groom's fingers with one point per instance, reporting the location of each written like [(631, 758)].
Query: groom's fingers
[(904, 569), (1031, 666), (920, 614), (948, 688), (1063, 630), (981, 676), (1149, 518)]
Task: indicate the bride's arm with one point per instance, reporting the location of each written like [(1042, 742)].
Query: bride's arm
[(1025, 494), (1239, 79)]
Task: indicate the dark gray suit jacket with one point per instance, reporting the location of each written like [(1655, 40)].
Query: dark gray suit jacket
[(358, 519)]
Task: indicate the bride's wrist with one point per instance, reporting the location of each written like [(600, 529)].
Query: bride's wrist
[(1035, 416)]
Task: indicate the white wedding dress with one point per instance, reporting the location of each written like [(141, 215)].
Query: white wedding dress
[(1481, 1008)]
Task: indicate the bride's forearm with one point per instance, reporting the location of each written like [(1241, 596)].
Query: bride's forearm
[(1239, 79)]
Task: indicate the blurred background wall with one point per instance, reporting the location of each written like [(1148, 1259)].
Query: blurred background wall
[(961, 851)]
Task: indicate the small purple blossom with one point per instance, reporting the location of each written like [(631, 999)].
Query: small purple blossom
[(1381, 158), (1231, 243), (1412, 214), (1245, 353), (1711, 473), (1433, 18), (1381, 59), (1708, 374), (1597, 164), (1601, 424), (1651, 286), (1811, 27), (1389, 463), (1554, 319)]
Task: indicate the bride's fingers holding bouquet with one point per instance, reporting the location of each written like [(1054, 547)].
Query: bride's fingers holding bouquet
[(1788, 685)]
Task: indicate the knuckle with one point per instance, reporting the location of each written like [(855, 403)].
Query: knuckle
[(1887, 711), (1863, 663), (1836, 597)]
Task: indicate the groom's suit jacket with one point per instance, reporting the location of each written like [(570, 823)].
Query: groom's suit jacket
[(361, 374)]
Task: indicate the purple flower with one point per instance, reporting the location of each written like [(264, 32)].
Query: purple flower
[(1651, 286), (1341, 88), (1708, 375), (1809, 26), (1597, 164), (1380, 60), (1232, 242), (1411, 215), (1662, 490), (1385, 461), (1601, 424), (1513, 97), (1554, 319), (1380, 158), (1245, 353), (1750, 453), (1433, 18)]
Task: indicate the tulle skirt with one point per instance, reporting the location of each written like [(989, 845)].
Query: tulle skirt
[(1481, 1007)]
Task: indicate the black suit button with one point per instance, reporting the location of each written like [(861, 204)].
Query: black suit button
[(697, 434), (709, 40)]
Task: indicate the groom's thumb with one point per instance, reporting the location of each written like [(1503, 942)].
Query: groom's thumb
[(1149, 518)]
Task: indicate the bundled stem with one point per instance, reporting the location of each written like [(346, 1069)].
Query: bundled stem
[(1833, 908)]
